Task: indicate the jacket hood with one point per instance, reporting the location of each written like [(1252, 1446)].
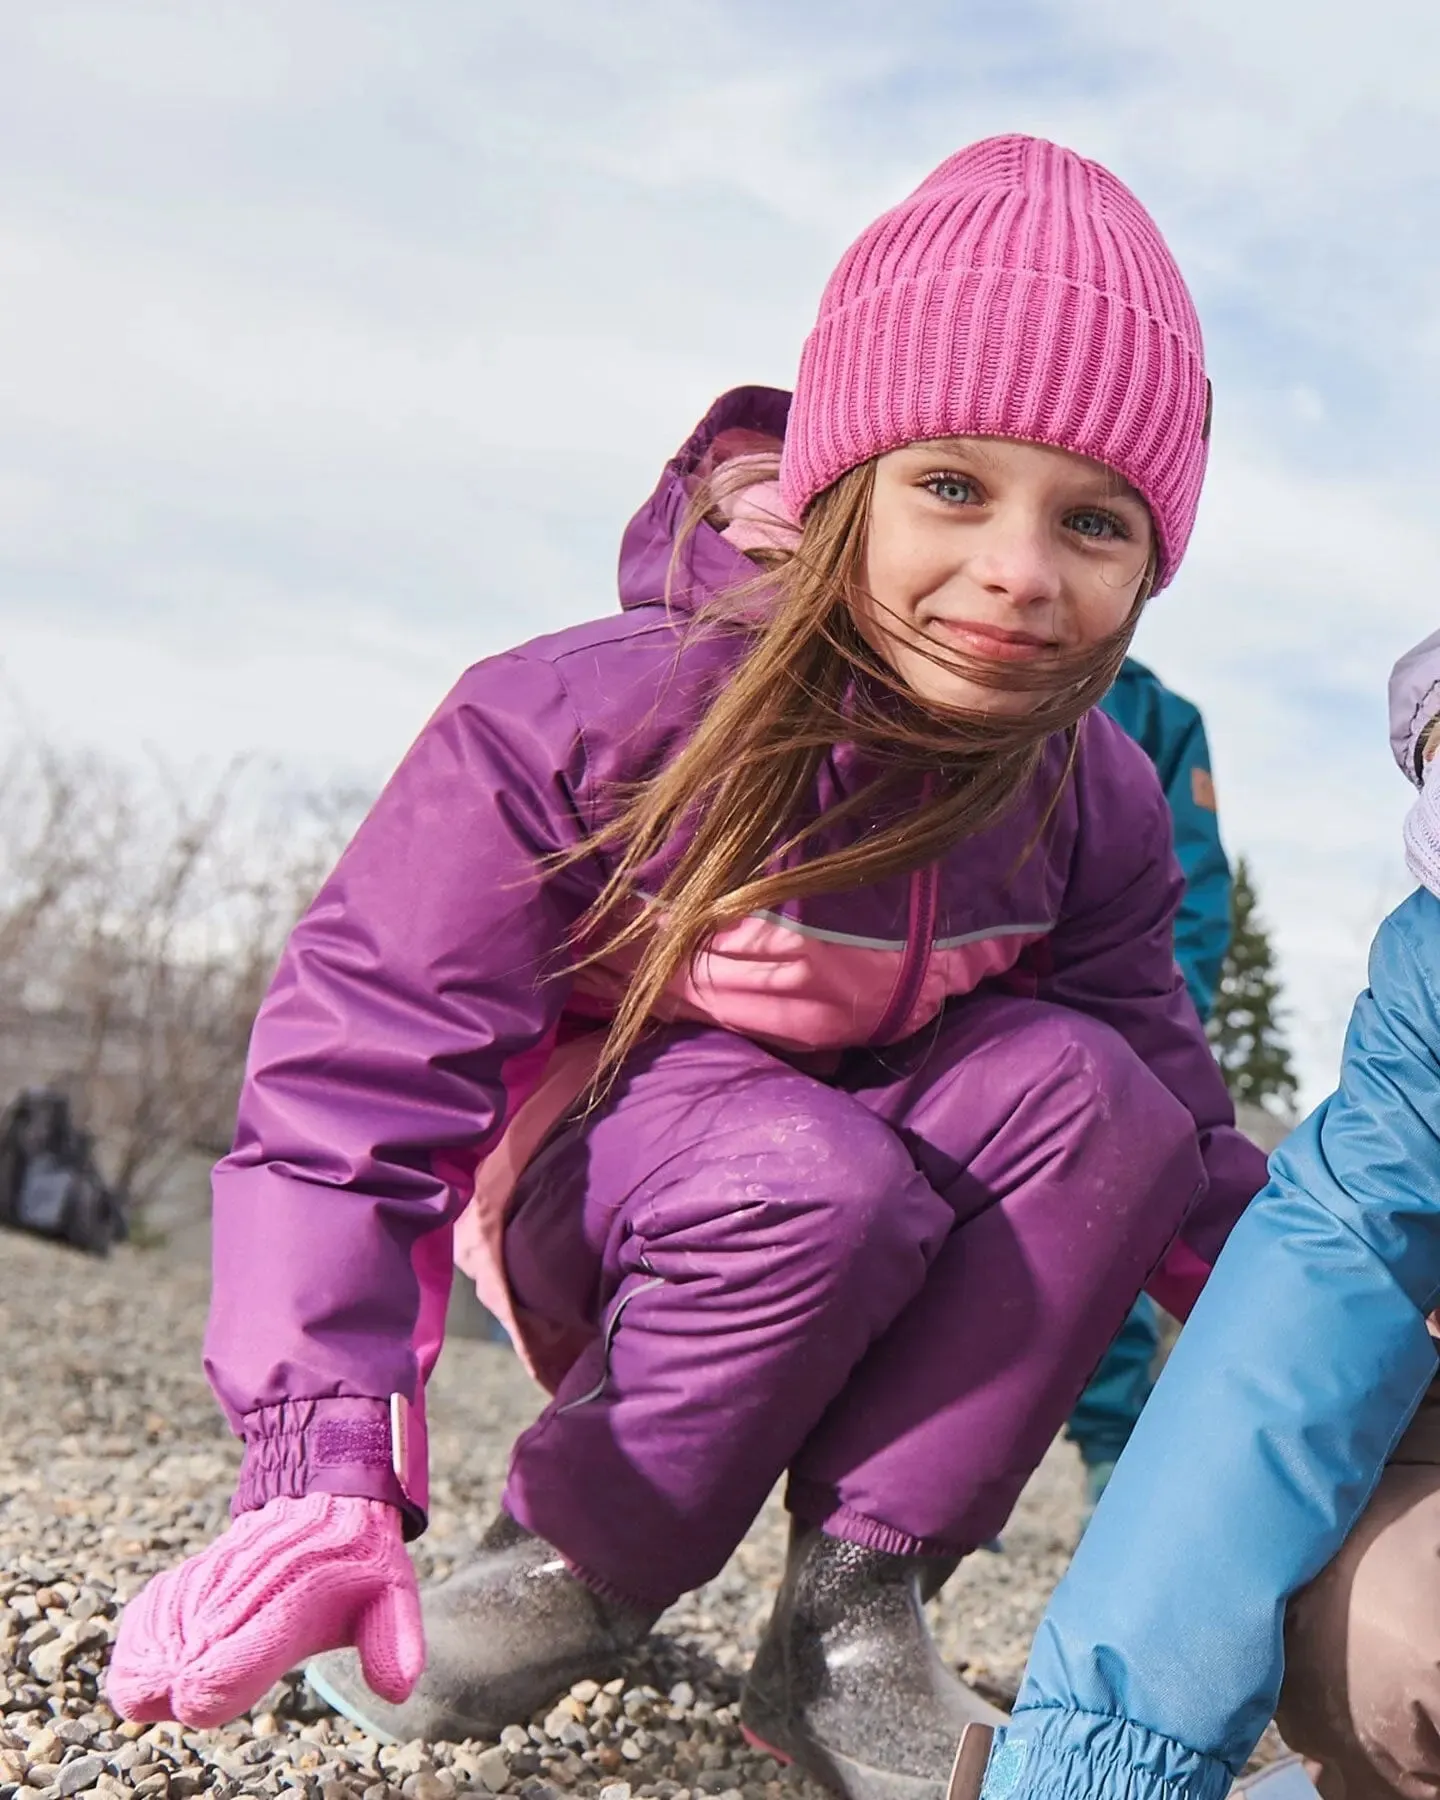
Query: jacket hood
[(708, 565)]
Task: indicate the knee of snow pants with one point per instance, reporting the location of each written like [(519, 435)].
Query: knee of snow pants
[(1070, 1168), (737, 1233)]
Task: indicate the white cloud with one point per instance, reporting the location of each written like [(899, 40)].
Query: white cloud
[(227, 54)]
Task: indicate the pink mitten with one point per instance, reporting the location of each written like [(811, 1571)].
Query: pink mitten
[(203, 1642)]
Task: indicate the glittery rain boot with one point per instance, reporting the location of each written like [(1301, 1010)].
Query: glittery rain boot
[(503, 1635), (847, 1682)]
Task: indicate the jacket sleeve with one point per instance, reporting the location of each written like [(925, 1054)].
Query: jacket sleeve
[(414, 1005), (1202, 921), (1113, 957), (1159, 1661)]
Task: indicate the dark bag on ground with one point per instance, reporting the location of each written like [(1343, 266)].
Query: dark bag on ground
[(49, 1183)]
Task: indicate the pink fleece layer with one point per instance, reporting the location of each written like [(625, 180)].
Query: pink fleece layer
[(760, 978), (203, 1642), (1176, 1284)]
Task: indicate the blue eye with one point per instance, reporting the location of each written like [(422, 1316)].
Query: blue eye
[(1092, 523), (955, 490)]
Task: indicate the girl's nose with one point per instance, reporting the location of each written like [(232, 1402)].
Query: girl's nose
[(1017, 562)]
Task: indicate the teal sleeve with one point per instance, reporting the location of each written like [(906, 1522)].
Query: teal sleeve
[(1169, 729), (1202, 925)]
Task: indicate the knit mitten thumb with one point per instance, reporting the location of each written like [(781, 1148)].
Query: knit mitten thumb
[(202, 1643)]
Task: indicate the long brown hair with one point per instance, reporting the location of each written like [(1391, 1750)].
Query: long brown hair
[(735, 795)]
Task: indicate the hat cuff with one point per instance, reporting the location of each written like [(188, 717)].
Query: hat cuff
[(1003, 353)]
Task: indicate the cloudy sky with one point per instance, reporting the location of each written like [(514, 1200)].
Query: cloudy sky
[(338, 338)]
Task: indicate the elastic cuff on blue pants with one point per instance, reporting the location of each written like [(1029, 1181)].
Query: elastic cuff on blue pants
[(1048, 1754)]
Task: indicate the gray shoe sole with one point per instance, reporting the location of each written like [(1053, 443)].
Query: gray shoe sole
[(769, 1731), (346, 1708)]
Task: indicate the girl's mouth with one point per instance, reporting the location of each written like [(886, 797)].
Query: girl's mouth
[(994, 642)]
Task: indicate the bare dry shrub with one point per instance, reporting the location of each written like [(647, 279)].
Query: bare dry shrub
[(141, 916)]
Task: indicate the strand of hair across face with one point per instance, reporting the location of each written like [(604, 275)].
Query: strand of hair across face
[(734, 796)]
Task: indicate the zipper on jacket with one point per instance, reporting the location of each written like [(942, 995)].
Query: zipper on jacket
[(915, 960)]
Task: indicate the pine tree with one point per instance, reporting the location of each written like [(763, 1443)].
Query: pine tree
[(1245, 1025)]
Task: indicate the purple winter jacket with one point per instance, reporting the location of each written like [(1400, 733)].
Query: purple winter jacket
[(421, 996)]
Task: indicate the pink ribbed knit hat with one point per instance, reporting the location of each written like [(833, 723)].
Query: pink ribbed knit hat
[(1020, 292)]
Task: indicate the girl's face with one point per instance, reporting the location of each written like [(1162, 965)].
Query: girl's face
[(1006, 552)]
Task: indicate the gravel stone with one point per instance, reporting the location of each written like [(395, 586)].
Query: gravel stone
[(492, 1769), (84, 1772), (424, 1785)]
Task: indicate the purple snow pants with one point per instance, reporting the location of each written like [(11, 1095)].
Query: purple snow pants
[(893, 1283)]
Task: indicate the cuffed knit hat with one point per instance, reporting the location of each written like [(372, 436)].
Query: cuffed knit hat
[(1023, 292)]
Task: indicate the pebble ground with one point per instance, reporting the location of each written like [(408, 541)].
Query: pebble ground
[(115, 1463)]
